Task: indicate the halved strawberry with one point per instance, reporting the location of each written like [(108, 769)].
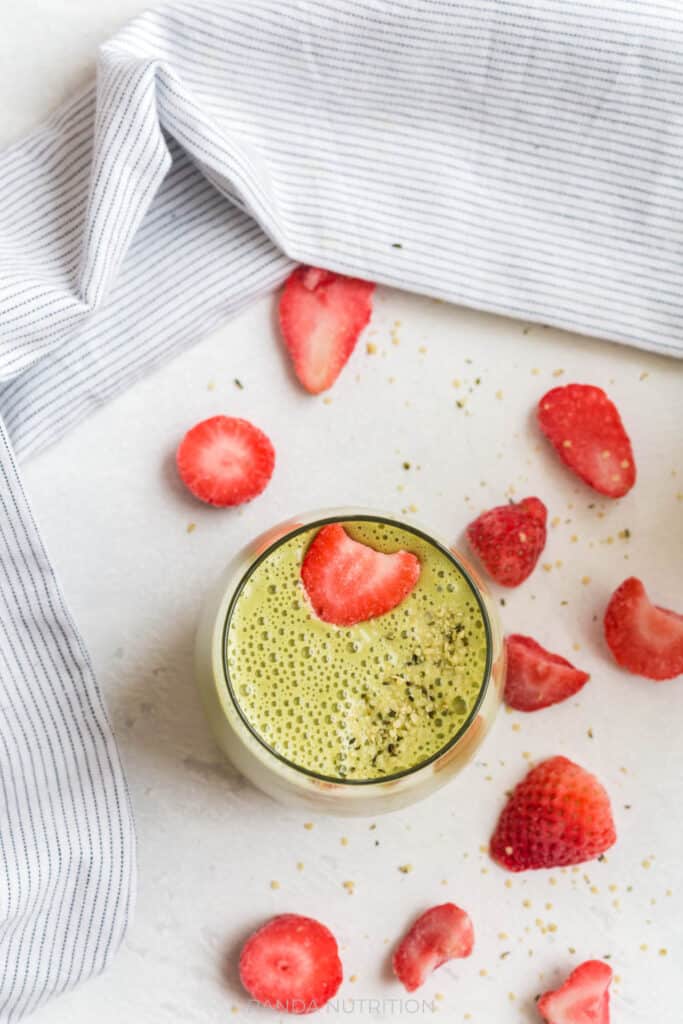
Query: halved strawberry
[(585, 428), (536, 678), (643, 638), (582, 999), (440, 934), (558, 815), (509, 539), (291, 964), (321, 317), (225, 461), (349, 582)]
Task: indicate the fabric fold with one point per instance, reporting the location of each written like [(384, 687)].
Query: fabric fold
[(129, 162), (67, 844)]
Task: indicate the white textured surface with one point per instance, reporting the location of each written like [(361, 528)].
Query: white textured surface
[(115, 522)]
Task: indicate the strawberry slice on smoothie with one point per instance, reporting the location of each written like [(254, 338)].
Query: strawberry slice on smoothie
[(348, 582)]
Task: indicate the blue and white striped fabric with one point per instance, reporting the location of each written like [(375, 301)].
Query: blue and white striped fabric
[(519, 156)]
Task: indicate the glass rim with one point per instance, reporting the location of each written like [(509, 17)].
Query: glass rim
[(351, 517)]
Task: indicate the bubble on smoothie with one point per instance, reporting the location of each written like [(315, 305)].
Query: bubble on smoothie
[(359, 702)]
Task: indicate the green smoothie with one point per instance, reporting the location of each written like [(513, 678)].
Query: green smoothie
[(358, 702)]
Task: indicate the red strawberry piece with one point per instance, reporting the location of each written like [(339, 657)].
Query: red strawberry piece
[(643, 638), (582, 999), (536, 678), (321, 317), (291, 964), (349, 582), (558, 815), (225, 461), (585, 428), (440, 934), (509, 539)]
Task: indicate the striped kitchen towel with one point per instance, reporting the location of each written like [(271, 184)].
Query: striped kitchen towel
[(518, 156)]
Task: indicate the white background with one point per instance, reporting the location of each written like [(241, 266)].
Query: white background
[(115, 520)]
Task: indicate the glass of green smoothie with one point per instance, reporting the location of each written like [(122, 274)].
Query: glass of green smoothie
[(358, 719)]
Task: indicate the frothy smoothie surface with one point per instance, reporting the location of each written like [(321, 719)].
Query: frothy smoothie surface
[(364, 701)]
